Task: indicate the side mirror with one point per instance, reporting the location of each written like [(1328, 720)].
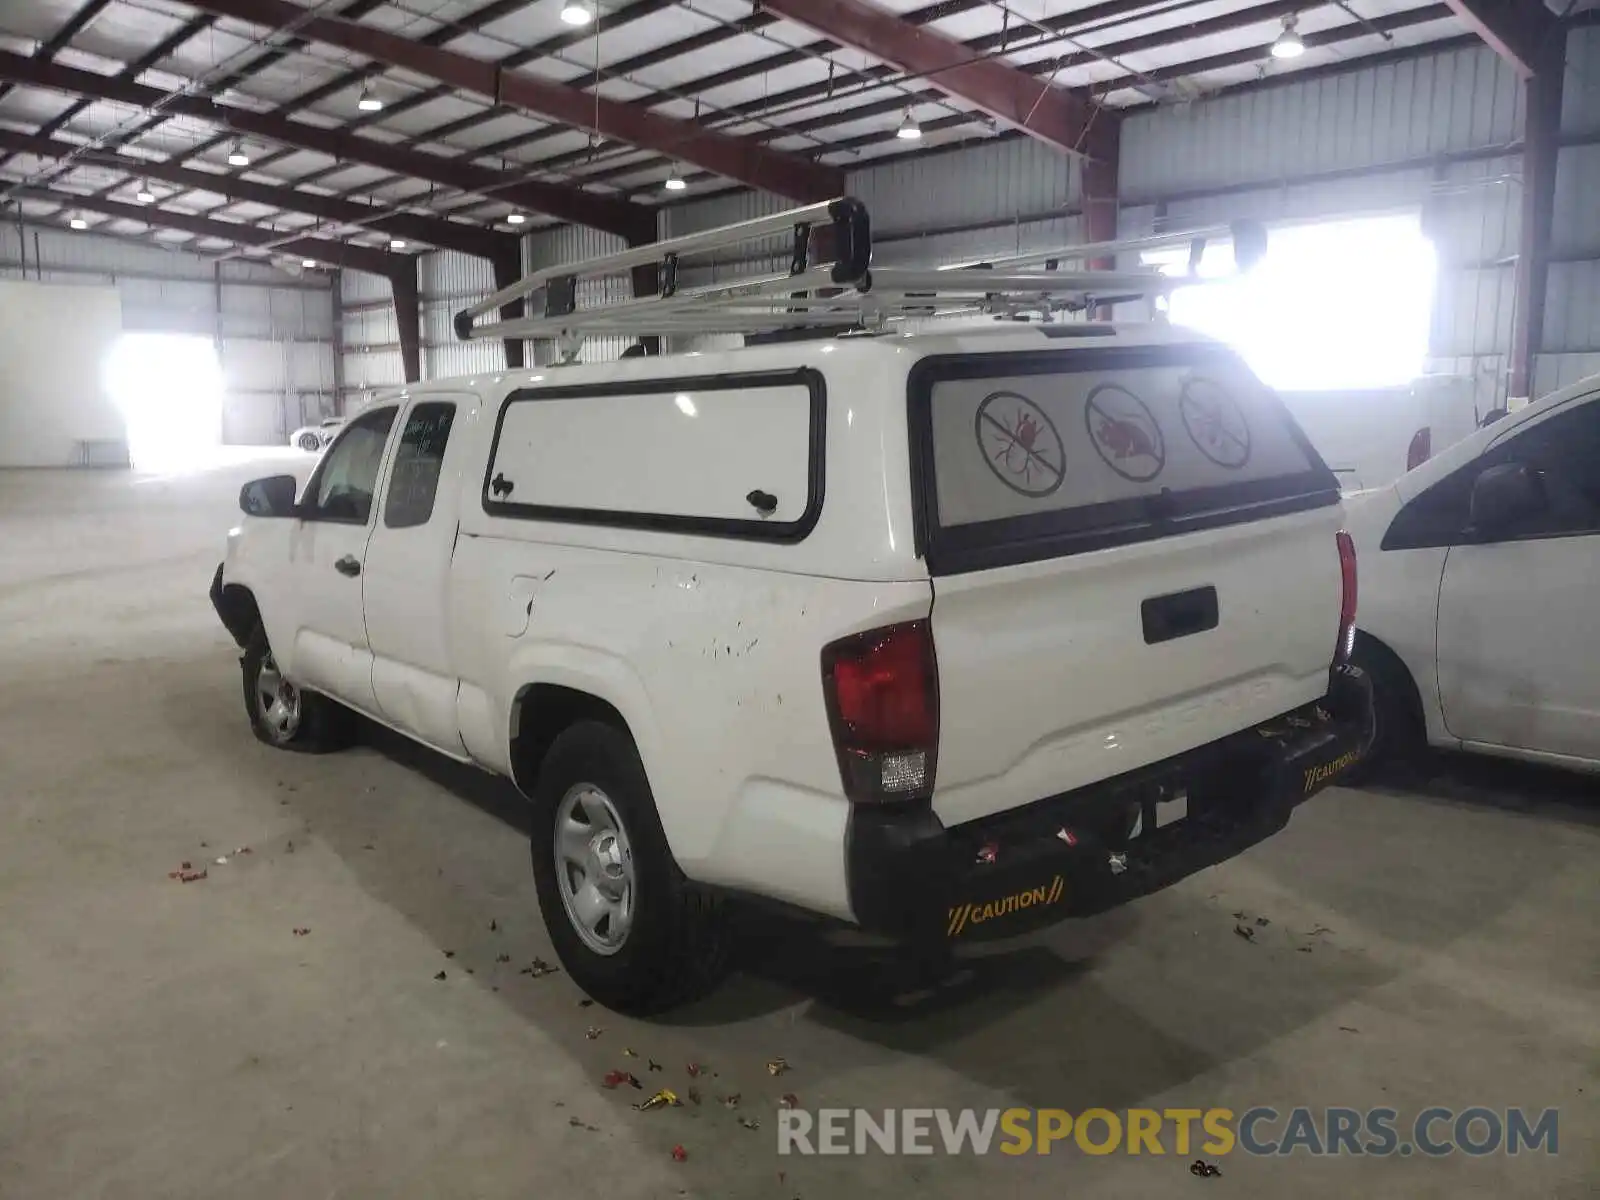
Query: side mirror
[(1504, 496), (269, 497)]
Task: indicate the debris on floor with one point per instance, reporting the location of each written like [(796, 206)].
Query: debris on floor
[(665, 1098), (679, 1153), (653, 1064), (1246, 932), (441, 975), (449, 953), (750, 1122), (694, 1096), (615, 1079), (788, 1100), (238, 850), (777, 1066), (694, 1070), (1263, 922), (593, 1032), (585, 1003), (494, 926), (629, 1052), (731, 1100), (502, 958), (301, 931), (577, 1124), (1204, 1169), (538, 968), (1348, 1029), (186, 873)]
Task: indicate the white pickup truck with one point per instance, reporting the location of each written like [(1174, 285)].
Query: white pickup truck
[(947, 636)]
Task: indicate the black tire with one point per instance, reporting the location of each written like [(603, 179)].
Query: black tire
[(675, 948), (1400, 735), (321, 726)]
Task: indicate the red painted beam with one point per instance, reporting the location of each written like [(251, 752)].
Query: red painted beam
[(607, 213), (332, 254), (1051, 114), (447, 235), (1516, 30), (737, 158)]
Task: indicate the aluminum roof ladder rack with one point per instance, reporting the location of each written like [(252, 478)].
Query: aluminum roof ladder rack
[(846, 292)]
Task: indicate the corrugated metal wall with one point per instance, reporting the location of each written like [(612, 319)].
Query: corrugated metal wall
[(1437, 134), (274, 332)]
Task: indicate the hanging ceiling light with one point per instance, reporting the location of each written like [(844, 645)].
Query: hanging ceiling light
[(308, 263), (1288, 44), (675, 182), (78, 223), (576, 12), (515, 219), (397, 243), (144, 195), (236, 156), (369, 102), (909, 130)]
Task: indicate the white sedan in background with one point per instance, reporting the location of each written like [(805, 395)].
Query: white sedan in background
[(315, 437), (1479, 614)]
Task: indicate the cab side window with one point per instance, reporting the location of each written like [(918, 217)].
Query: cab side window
[(414, 481), (347, 478)]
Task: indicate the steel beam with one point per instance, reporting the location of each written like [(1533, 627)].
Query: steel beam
[(332, 254), (607, 213), (1541, 146), (737, 158), (408, 318), (446, 235), (1516, 30), (1050, 114)]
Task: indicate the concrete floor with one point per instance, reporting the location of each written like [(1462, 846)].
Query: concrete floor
[(180, 1040)]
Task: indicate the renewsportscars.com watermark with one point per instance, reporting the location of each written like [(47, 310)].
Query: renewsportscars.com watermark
[(1318, 1132)]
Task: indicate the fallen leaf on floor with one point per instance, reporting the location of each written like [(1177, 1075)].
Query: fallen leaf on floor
[(750, 1122), (577, 1124), (585, 1003), (441, 975), (1245, 932), (187, 874), (538, 968), (1318, 931), (629, 1052), (301, 931), (693, 1069), (502, 958), (204, 845), (788, 1100), (679, 1154), (593, 1032), (777, 1066), (449, 953), (1303, 949), (1348, 1029), (665, 1098), (369, 846), (653, 1064), (615, 1079), (1263, 922), (1238, 914), (1204, 1169), (731, 1100), (244, 850)]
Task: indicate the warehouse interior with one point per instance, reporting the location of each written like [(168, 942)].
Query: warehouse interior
[(223, 222)]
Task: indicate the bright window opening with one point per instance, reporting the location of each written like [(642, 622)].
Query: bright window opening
[(1341, 304), (169, 388)]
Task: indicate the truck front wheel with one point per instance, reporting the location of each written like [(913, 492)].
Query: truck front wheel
[(285, 716), (629, 928)]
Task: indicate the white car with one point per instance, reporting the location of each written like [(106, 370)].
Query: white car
[(313, 438), (1480, 590)]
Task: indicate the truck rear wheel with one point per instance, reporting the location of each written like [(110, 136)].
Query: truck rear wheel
[(629, 928), (285, 716)]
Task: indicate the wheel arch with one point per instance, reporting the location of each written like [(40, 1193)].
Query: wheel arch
[(1391, 670), (236, 606)]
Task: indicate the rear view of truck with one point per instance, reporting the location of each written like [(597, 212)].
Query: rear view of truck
[(1142, 601)]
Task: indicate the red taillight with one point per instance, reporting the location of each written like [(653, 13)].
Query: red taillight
[(1347, 600), (1421, 448), (882, 689)]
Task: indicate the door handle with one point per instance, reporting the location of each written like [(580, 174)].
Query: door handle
[(348, 565)]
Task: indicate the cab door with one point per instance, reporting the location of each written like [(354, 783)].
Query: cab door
[(327, 550), (1519, 609), (407, 572)]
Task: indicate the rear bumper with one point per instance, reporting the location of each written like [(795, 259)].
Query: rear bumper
[(1072, 855)]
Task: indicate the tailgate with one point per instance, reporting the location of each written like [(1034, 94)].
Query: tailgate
[(1133, 555)]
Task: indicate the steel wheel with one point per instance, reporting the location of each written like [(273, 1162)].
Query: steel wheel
[(594, 868), (311, 442), (279, 702)]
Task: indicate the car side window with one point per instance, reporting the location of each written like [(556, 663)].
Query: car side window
[(414, 481), (347, 477), (1563, 449)]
